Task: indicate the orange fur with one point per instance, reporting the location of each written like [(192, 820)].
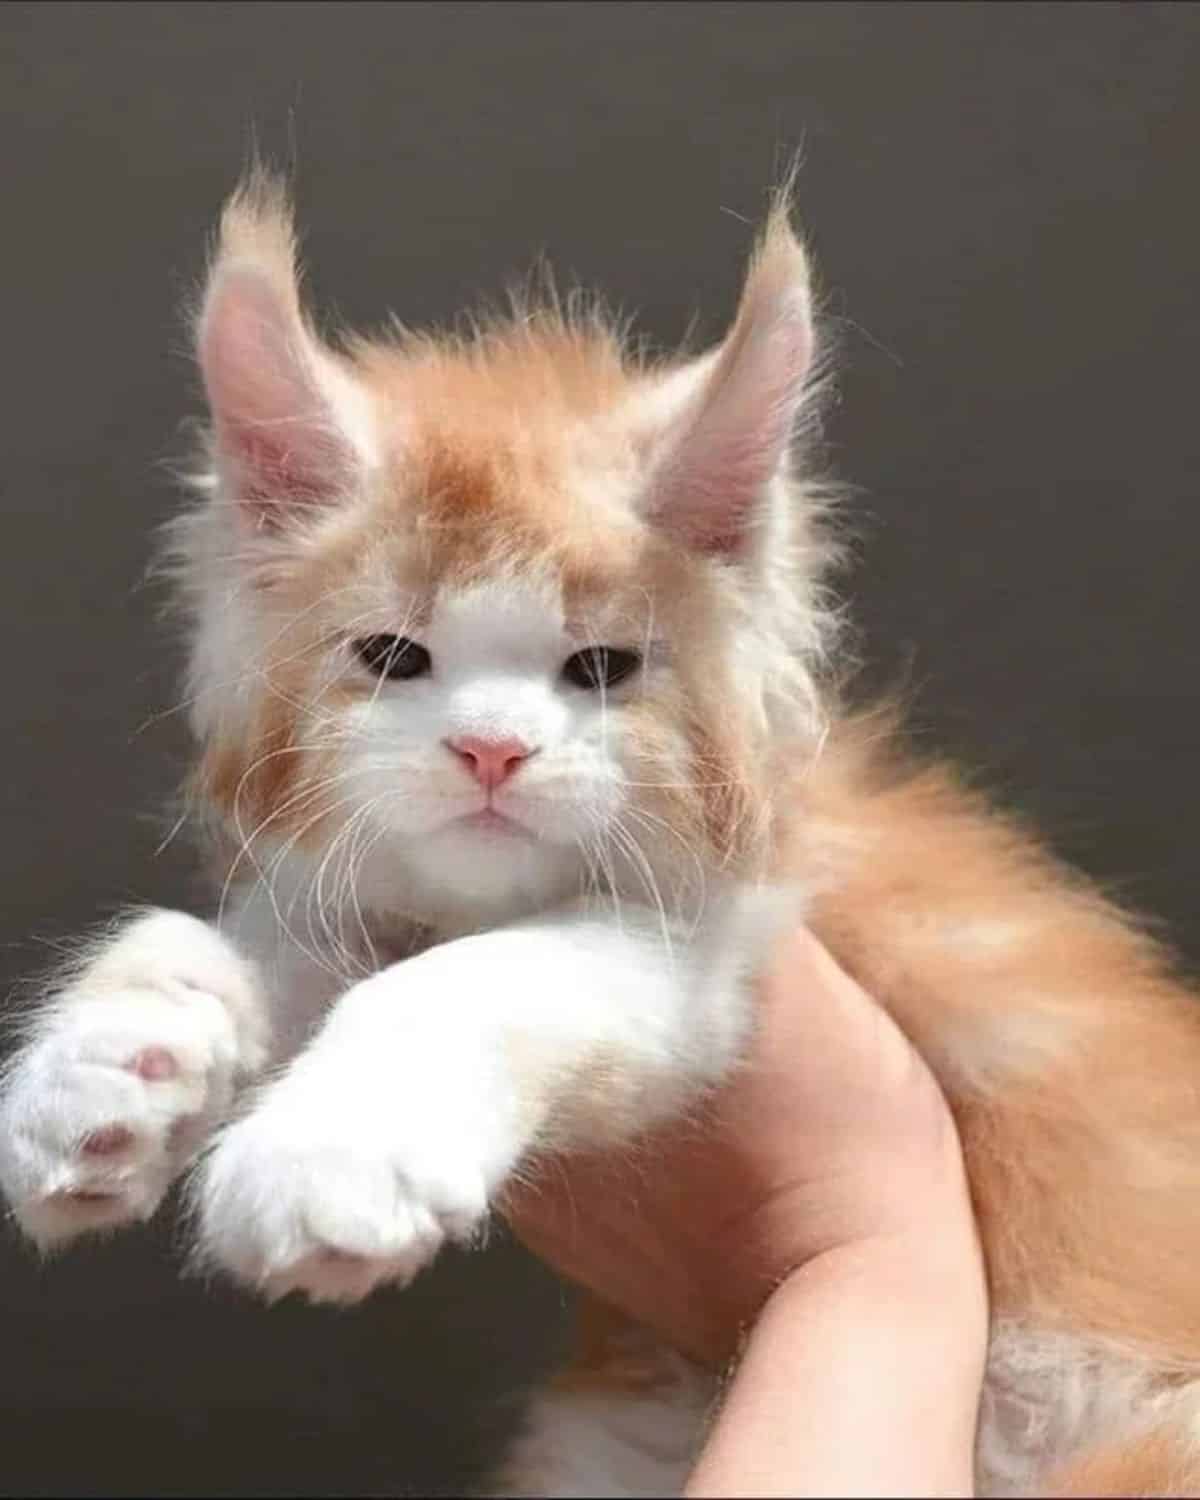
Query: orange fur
[(614, 1354), (1069, 1051), (1158, 1463)]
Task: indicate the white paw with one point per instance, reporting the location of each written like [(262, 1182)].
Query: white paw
[(127, 1074), (293, 1199)]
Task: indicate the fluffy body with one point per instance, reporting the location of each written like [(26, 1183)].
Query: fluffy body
[(422, 977)]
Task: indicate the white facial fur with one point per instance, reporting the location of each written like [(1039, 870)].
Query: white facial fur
[(498, 650)]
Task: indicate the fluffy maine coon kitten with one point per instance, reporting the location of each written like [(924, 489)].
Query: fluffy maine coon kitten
[(505, 666)]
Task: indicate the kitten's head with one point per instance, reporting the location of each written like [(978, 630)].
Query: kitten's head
[(507, 611)]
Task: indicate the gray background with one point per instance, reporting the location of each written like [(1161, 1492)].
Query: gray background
[(1003, 200)]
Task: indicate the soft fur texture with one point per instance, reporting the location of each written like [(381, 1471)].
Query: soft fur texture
[(482, 911)]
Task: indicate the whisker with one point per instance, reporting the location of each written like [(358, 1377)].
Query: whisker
[(627, 843)]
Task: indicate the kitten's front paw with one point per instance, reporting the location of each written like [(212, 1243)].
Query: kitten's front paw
[(291, 1199), (127, 1072), (107, 1107)]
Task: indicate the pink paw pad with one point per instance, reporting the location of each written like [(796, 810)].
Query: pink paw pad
[(154, 1064), (337, 1259), (106, 1141)]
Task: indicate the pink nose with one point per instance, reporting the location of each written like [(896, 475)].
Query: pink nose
[(489, 761)]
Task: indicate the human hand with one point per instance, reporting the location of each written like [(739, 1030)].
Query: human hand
[(833, 1135)]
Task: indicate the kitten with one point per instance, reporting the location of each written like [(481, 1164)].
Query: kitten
[(507, 673)]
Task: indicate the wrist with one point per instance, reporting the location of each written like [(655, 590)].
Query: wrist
[(917, 1223), (921, 1267), (894, 1281), (861, 1375)]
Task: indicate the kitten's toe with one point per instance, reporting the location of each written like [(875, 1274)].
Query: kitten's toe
[(328, 1274)]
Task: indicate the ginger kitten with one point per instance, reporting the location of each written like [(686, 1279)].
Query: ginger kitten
[(508, 681)]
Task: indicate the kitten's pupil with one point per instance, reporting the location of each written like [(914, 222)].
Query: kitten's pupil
[(393, 656), (600, 666)]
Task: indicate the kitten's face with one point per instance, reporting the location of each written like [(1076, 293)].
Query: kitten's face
[(492, 615), (484, 719), (491, 737), (515, 699)]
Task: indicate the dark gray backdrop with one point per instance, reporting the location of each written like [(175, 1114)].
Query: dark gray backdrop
[(1003, 200)]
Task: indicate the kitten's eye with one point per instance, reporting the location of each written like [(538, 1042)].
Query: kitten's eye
[(393, 656), (600, 666)]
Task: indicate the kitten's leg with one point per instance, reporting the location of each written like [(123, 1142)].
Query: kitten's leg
[(625, 1417), (602, 1442), (125, 1073), (429, 1081)]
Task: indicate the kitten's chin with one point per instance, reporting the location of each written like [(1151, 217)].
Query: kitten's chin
[(490, 825), (489, 869)]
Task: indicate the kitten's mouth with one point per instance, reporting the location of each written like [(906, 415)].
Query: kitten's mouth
[(490, 820)]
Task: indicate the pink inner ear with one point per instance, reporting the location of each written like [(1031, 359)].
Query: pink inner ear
[(731, 436), (276, 429), (274, 473)]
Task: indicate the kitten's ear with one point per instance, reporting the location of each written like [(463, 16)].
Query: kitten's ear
[(291, 425), (724, 423)]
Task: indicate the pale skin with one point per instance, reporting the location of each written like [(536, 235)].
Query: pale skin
[(817, 1225)]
